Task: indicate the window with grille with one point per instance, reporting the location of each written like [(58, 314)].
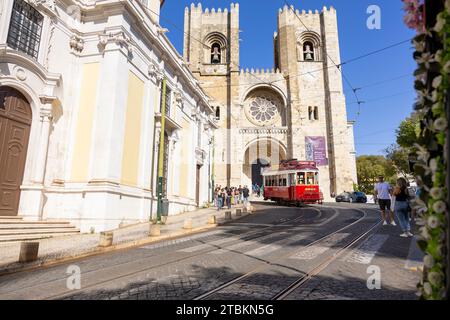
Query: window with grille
[(25, 28)]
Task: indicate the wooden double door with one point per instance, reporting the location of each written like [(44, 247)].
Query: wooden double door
[(15, 124)]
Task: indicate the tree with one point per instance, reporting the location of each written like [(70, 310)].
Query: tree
[(370, 167), (399, 157), (407, 132)]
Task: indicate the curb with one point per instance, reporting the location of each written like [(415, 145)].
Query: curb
[(102, 250), (118, 247)]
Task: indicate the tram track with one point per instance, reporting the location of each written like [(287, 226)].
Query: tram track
[(302, 279), (247, 236)]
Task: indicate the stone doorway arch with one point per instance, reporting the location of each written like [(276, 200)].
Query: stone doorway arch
[(259, 154), (15, 125)]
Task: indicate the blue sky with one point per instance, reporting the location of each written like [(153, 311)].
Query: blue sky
[(387, 104)]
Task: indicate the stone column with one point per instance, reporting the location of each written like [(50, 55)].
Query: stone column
[(41, 159), (32, 196)]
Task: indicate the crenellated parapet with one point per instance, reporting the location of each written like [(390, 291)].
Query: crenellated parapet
[(263, 74), (290, 15), (234, 8)]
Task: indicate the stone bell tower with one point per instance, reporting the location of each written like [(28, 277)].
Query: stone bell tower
[(211, 50)]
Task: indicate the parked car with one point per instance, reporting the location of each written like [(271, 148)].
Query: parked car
[(352, 197)]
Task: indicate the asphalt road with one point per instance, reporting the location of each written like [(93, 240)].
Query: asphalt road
[(316, 252)]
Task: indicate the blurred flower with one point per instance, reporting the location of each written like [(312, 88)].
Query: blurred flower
[(436, 193), (433, 222), (433, 165), (414, 16), (440, 23), (427, 288), (424, 233), (440, 124), (428, 261), (437, 82), (435, 278), (439, 206)]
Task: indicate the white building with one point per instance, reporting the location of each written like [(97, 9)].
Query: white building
[(80, 90)]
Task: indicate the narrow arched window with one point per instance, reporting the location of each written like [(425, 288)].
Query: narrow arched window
[(316, 113), (310, 113), (217, 113), (215, 54), (308, 51)]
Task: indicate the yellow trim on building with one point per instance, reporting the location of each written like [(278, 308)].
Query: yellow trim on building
[(185, 159), (132, 139), (85, 122)]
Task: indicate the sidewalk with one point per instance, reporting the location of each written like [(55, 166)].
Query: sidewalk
[(58, 249)]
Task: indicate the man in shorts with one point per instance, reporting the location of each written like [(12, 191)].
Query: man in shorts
[(383, 193)]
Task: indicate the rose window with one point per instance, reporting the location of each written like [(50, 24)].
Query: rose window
[(262, 110)]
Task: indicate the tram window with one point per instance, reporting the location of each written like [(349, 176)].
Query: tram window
[(301, 178), (316, 176), (284, 182), (310, 178), (292, 179)]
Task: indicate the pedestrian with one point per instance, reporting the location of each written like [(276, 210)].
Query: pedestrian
[(402, 207), (246, 194), (216, 195), (228, 197), (383, 192), (220, 199), (241, 197)]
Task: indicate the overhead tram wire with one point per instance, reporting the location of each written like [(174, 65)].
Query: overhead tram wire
[(329, 67), (291, 7), (268, 83), (354, 90), (384, 97)]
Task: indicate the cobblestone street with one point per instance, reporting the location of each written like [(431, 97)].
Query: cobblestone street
[(324, 250)]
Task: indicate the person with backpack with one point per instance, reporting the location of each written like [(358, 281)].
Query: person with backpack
[(402, 207)]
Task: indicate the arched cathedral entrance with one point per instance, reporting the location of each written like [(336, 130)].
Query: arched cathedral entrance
[(259, 155)]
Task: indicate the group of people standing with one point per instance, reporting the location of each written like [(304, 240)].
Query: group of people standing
[(228, 196), (385, 194), (258, 190)]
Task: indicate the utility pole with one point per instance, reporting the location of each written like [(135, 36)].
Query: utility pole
[(161, 153)]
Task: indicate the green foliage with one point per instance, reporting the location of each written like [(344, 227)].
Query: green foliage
[(399, 157), (408, 132), (432, 83)]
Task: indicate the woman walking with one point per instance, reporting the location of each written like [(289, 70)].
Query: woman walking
[(402, 207)]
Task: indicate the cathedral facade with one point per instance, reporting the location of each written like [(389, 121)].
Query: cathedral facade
[(297, 110)]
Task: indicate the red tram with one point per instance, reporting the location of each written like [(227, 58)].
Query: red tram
[(295, 182)]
